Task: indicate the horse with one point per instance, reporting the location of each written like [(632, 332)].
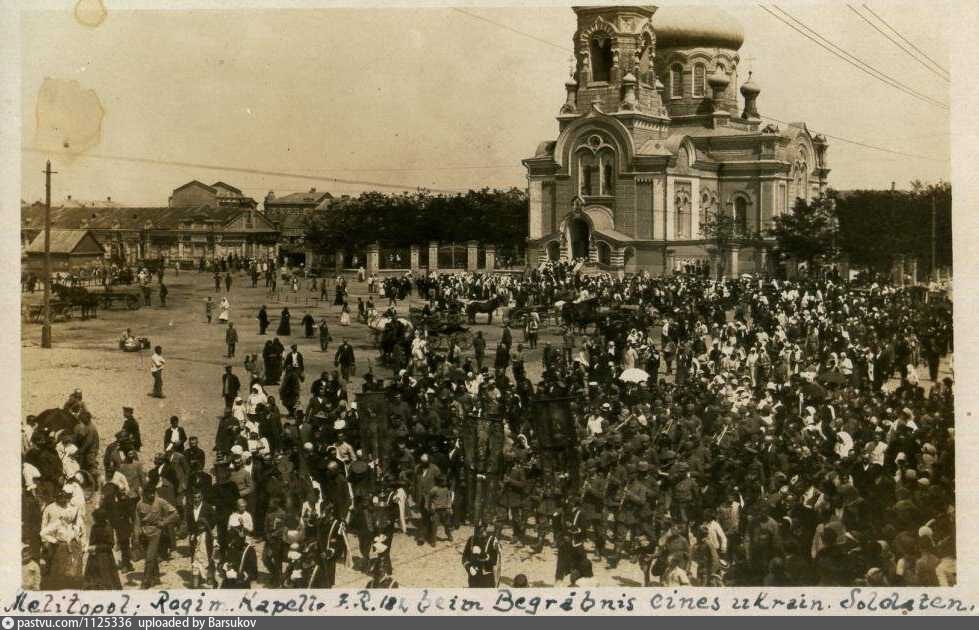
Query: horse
[(484, 306), (78, 296), (580, 314)]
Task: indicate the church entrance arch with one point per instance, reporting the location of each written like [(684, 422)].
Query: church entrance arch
[(580, 233)]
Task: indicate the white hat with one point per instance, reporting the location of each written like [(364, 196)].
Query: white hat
[(236, 449)]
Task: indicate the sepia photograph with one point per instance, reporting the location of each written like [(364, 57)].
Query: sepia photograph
[(481, 296)]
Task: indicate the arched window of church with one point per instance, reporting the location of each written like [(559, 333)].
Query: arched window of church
[(706, 207), (588, 173), (684, 218), (676, 81), (606, 162), (699, 77), (604, 253), (741, 214), (601, 57)]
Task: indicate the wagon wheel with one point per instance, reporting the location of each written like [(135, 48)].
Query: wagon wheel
[(132, 302), (65, 312)]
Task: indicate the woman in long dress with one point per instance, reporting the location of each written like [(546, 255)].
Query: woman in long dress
[(284, 328), (345, 315), (339, 296), (268, 356), (101, 572), (225, 311)]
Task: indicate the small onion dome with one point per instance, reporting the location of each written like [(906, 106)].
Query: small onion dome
[(629, 78), (750, 88), (718, 79)]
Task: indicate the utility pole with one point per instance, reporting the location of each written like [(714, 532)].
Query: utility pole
[(46, 326), (934, 269)]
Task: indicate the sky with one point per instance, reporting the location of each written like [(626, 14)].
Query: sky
[(432, 97)]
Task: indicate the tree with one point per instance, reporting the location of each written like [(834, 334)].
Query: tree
[(877, 227), (496, 217), (726, 232), (809, 232)]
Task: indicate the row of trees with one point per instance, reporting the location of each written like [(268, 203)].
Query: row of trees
[(490, 216), (872, 229)]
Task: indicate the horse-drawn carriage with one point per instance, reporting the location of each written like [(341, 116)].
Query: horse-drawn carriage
[(60, 311), (388, 332), (67, 301), (127, 299), (443, 328)]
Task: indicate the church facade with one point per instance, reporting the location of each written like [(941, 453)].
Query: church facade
[(653, 142)]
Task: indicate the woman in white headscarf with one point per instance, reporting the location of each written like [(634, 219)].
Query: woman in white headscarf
[(255, 398)]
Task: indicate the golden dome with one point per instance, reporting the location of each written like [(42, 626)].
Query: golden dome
[(694, 26)]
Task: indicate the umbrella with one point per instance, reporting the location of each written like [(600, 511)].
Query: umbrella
[(634, 375), (813, 390), (832, 378)]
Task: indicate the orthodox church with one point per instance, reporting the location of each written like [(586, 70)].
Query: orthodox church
[(653, 141)]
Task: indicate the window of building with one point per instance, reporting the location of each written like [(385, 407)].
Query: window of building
[(741, 214), (586, 175), (604, 253), (683, 215), (699, 78), (601, 57), (676, 81)]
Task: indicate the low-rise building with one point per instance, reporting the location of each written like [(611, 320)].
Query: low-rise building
[(71, 250)]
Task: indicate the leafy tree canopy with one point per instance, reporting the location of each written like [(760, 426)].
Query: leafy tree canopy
[(398, 220)]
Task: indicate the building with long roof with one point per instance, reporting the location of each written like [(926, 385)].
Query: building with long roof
[(653, 141)]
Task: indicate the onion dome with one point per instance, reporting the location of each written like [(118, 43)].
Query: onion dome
[(718, 79), (750, 88), (696, 26)]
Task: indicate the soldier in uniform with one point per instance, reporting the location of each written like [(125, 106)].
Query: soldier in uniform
[(547, 511), (593, 507), (514, 496), (629, 516), (480, 558)]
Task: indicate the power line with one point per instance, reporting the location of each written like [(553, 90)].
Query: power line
[(841, 139), (851, 59), (865, 145), (863, 17), (251, 171), (513, 30), (906, 40)]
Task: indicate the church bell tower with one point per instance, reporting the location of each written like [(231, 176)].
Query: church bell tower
[(615, 49)]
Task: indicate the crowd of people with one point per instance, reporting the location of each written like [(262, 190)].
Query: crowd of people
[(736, 432)]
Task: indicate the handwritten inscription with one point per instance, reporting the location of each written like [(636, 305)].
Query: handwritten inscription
[(502, 601)]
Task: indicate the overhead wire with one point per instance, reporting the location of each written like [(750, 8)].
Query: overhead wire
[(940, 74)]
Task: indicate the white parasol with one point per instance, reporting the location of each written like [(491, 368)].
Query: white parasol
[(634, 375)]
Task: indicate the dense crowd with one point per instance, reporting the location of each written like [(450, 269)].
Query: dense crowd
[(738, 432)]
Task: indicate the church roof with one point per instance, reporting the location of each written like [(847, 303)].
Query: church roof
[(693, 26)]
